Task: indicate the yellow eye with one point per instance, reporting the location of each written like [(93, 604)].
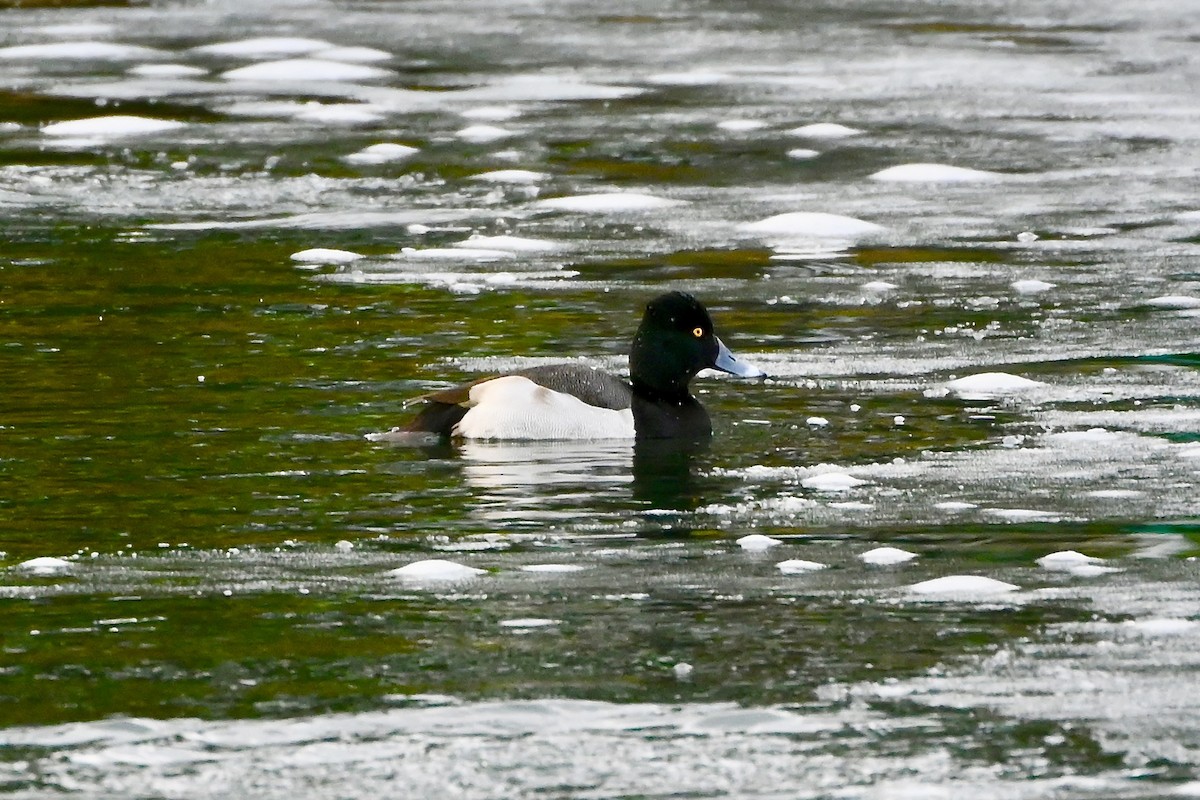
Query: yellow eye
[(697, 332)]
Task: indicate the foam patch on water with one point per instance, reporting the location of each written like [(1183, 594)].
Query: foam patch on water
[(933, 173), (608, 203)]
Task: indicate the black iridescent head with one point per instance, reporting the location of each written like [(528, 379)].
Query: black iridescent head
[(673, 343)]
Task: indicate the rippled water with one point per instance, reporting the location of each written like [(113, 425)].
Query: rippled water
[(980, 368)]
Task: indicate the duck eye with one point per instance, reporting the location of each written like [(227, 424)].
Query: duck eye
[(697, 332)]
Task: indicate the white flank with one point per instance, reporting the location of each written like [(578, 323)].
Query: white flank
[(514, 407)]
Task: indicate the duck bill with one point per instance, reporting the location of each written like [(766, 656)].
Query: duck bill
[(728, 362)]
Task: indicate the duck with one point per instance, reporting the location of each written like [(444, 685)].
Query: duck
[(572, 401)]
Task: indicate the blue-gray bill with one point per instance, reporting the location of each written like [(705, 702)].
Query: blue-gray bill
[(728, 362)]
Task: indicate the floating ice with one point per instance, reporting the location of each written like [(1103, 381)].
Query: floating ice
[(529, 622), (452, 254), (491, 113), (879, 287), (825, 130), (1023, 514), (886, 556), (435, 569), (304, 70), (514, 244), (694, 78), (1031, 286), (553, 568), (963, 585), (45, 565), (339, 113), (757, 543), (933, 173), (985, 385), (1065, 559), (382, 153), (356, 55), (954, 505), (1174, 301), (816, 422), (1162, 626), (483, 133), (608, 203), (525, 176), (740, 125), (324, 255), (1116, 494), (795, 566), (802, 153), (111, 126), (682, 670), (166, 71), (812, 224), (265, 47), (831, 482), (79, 51)]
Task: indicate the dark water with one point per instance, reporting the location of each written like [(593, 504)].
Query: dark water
[(187, 413)]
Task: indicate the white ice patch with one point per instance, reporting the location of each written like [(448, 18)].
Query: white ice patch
[(166, 71), (797, 566), (512, 244), (608, 203), (757, 543), (265, 47), (802, 153), (513, 407), (518, 176), (955, 505), (382, 153), (825, 130), (552, 568), (812, 225), (45, 565), (741, 125), (484, 133), (886, 556), (987, 385), (529, 622), (879, 287), (79, 51), (111, 126), (354, 55), (831, 482), (698, 77), (339, 113), (491, 113), (324, 255), (1162, 626), (306, 70), (1066, 559), (435, 569), (963, 585), (1031, 286), (1174, 301), (1023, 514), (934, 173)]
